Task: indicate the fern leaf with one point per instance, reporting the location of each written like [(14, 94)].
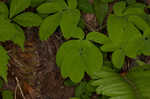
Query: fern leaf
[(134, 85), (17, 6), (3, 63), (28, 19)]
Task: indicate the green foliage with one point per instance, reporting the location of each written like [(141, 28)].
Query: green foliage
[(49, 25), (3, 9), (3, 63), (11, 31), (101, 10), (84, 90), (52, 7), (107, 1), (28, 19), (134, 85), (69, 22), (118, 58), (86, 56), (85, 6), (17, 6), (7, 94), (97, 37), (69, 83), (67, 17), (72, 4), (128, 33), (74, 98), (35, 3)]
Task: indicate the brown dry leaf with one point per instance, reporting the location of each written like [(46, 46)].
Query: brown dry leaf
[(27, 88)]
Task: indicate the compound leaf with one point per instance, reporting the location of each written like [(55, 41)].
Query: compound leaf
[(69, 22), (78, 56), (17, 6), (49, 25), (120, 30), (133, 85), (3, 63), (28, 19)]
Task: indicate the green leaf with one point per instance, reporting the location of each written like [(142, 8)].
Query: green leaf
[(35, 3), (72, 4), (120, 30), (119, 8), (17, 6), (101, 10), (109, 47), (4, 58), (139, 22), (133, 85), (1, 83), (84, 90), (7, 94), (97, 37), (49, 26), (131, 1), (133, 47), (9, 31), (107, 1), (28, 19), (78, 56), (69, 83), (85, 6), (146, 48), (3, 9), (19, 37), (118, 58), (135, 9), (52, 7), (69, 22), (74, 98)]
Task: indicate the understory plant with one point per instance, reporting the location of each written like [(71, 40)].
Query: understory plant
[(126, 36)]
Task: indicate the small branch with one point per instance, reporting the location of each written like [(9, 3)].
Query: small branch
[(18, 85)]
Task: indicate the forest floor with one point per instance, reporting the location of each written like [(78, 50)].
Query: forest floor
[(35, 70)]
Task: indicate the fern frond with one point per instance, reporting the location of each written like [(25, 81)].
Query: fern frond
[(134, 85)]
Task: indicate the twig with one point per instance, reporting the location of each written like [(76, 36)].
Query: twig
[(18, 85)]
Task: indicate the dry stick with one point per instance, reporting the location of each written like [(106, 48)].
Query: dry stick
[(16, 92), (18, 85)]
